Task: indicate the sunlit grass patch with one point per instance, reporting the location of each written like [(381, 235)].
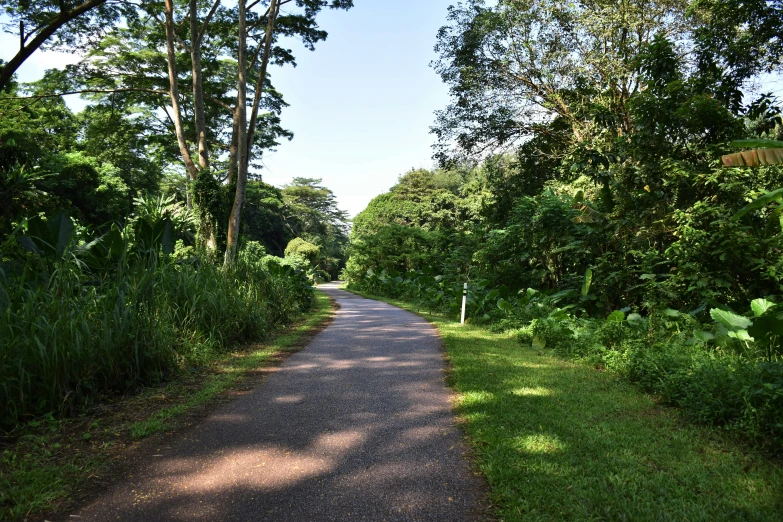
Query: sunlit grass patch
[(537, 390), (539, 443)]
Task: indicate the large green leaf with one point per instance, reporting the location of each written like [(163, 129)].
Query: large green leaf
[(742, 335), (768, 328), (61, 230), (617, 316), (730, 320), (49, 237), (703, 336), (588, 282), (167, 240), (760, 306), (760, 202)]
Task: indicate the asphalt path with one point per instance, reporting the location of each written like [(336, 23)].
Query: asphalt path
[(357, 426)]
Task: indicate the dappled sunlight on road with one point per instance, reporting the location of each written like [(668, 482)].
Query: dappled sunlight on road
[(358, 426)]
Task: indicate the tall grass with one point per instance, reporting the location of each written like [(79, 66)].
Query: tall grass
[(69, 332)]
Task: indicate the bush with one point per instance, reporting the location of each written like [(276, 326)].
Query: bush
[(714, 387), (301, 248), (108, 315)]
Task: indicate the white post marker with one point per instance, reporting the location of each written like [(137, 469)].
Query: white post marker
[(464, 301)]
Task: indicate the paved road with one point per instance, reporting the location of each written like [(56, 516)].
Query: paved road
[(357, 426)]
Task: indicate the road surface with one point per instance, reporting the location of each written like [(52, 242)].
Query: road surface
[(357, 426)]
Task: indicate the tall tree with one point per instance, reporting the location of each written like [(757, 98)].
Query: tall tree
[(301, 24), (735, 40), (243, 133), (312, 214)]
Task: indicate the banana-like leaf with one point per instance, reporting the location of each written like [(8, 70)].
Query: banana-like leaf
[(765, 152), (754, 158), (588, 282), (167, 240), (49, 237), (769, 197)]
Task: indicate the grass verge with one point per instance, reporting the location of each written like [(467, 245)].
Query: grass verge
[(559, 440), (44, 464)]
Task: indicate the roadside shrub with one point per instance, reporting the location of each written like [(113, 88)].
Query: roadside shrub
[(301, 248), (83, 318)]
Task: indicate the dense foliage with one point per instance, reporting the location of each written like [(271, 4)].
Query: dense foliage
[(84, 315), (112, 219), (603, 225)]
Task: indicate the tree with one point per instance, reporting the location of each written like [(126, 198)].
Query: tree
[(312, 213), (300, 247), (123, 136), (735, 40), (240, 129), (301, 24), (191, 84), (516, 67), (264, 217), (53, 160)]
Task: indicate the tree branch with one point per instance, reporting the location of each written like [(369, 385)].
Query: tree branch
[(207, 20), (83, 91), (8, 70)]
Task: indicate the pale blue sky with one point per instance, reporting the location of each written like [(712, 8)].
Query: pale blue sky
[(361, 104)]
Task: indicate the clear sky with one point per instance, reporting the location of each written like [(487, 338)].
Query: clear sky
[(361, 104)]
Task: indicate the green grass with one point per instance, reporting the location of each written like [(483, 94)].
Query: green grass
[(558, 440), (52, 458)]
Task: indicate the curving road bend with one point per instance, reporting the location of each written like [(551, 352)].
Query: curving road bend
[(357, 426)]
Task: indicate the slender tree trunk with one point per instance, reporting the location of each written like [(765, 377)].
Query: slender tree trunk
[(274, 10), (207, 227), (242, 152), (198, 87), (233, 150), (174, 92)]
